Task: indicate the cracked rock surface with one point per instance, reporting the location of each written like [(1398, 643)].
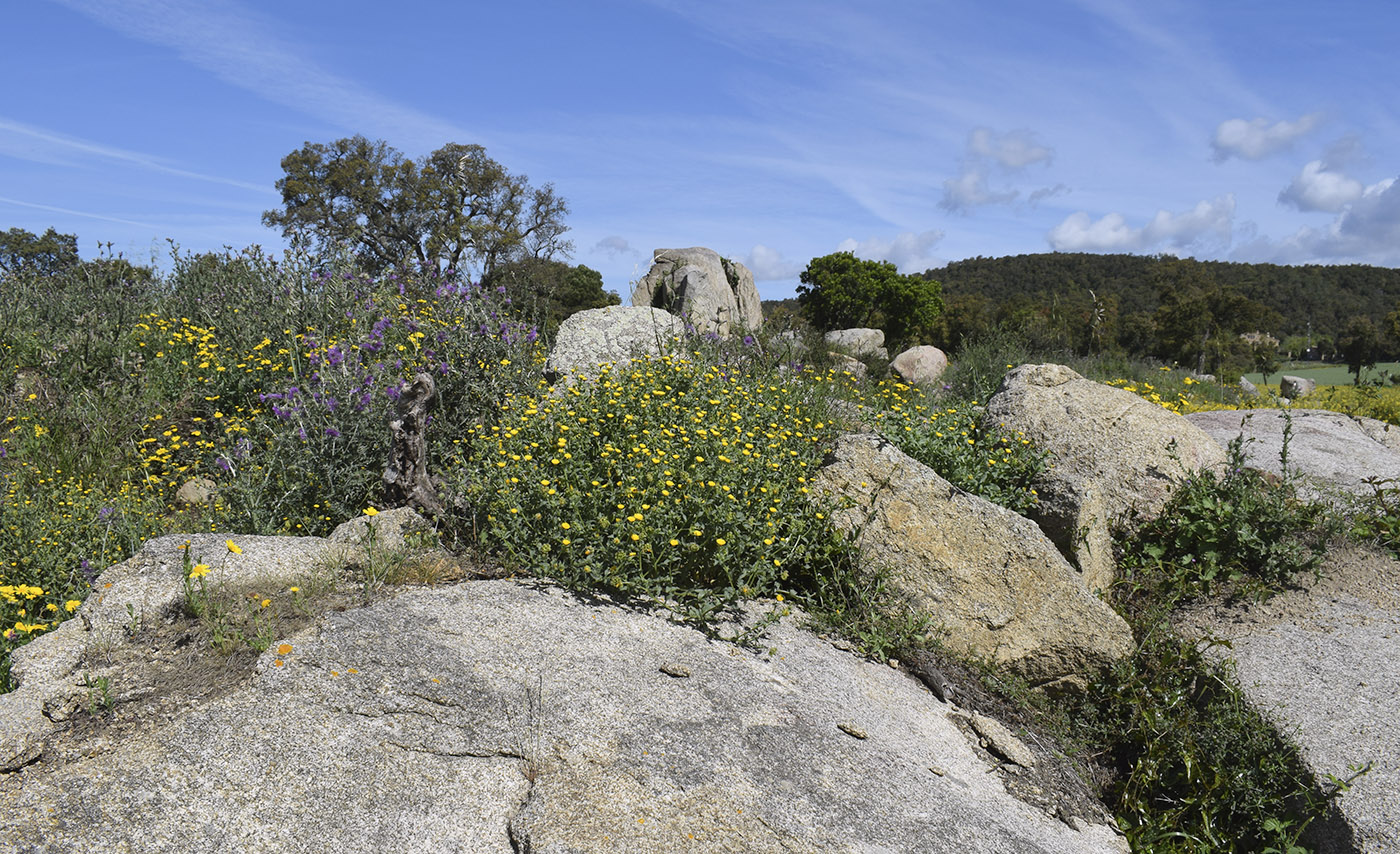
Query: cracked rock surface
[(499, 716)]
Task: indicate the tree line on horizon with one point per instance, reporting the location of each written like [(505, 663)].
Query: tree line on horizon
[(1219, 317)]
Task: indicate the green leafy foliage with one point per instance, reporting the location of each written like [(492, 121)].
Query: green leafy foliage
[(1242, 530), (545, 292), (840, 291), (48, 254), (1376, 518), (1197, 769), (1052, 297), (455, 208), (670, 479), (972, 455), (1361, 345)]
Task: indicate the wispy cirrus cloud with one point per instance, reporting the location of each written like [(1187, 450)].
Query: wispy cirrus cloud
[(41, 145), (71, 212), (239, 47)]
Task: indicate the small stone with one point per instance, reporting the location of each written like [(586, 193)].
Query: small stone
[(853, 730), (676, 671), (999, 740)]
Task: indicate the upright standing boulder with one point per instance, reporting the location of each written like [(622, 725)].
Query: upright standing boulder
[(991, 578), (713, 294), (1112, 454)]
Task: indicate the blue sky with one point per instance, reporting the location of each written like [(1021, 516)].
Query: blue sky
[(773, 132)]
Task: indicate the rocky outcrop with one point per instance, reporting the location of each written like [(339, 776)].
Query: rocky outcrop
[(600, 336), (990, 577), (149, 589), (711, 293), (1113, 454), (501, 716), (1322, 663), (920, 365), (858, 342), (1329, 452)]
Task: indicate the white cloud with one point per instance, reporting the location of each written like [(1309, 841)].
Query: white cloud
[(970, 190), (615, 245), (768, 264), (1366, 231), (1208, 221), (1014, 149), (1317, 188), (909, 252), (1011, 151), (1255, 139)]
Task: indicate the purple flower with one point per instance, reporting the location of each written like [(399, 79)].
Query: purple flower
[(104, 513), (332, 433), (301, 433), (281, 413), (330, 404), (223, 464), (335, 356)]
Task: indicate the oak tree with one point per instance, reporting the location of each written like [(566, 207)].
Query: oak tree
[(456, 208)]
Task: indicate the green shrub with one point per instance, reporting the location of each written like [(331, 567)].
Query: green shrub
[(1196, 768), (666, 479), (1241, 529)]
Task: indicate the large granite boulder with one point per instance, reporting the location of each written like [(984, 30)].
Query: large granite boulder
[(496, 716), (990, 577), (920, 365), (1322, 663), (1113, 455), (1329, 452), (601, 336), (860, 341), (713, 294)]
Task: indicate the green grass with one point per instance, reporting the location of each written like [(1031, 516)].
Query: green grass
[(1324, 374)]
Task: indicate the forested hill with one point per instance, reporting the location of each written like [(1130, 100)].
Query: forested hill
[(1325, 296)]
